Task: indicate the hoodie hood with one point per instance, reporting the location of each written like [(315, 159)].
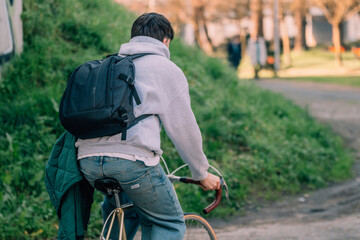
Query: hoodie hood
[(144, 44)]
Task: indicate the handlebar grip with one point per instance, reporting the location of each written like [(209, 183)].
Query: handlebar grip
[(217, 199), (189, 180), (214, 204)]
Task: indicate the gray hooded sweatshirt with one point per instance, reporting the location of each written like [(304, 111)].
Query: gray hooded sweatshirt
[(164, 92)]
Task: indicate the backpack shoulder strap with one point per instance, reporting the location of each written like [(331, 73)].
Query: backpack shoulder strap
[(112, 55), (132, 87), (136, 120), (132, 57)]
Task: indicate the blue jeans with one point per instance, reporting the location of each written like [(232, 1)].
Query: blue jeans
[(156, 207)]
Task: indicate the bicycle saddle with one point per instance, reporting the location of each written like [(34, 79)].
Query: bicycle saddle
[(107, 185)]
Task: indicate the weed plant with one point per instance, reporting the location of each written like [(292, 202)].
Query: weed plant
[(264, 145)]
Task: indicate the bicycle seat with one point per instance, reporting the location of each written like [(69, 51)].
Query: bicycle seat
[(107, 185)]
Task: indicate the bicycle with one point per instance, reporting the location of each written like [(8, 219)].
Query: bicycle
[(196, 226)]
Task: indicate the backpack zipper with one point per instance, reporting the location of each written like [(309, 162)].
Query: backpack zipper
[(71, 81), (94, 88)]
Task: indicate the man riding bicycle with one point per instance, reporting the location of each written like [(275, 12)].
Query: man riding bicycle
[(134, 162)]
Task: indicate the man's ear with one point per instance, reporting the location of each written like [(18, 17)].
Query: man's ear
[(166, 41)]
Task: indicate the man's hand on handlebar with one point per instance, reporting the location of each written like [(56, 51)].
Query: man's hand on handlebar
[(211, 182)]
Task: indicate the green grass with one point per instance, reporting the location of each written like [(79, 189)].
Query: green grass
[(318, 65), (321, 58), (315, 65), (339, 80), (264, 145)]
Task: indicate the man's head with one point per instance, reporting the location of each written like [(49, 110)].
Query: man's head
[(153, 25)]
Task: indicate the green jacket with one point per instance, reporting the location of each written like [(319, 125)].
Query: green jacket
[(69, 192)]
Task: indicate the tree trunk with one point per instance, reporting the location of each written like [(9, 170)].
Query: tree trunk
[(204, 42), (202, 12), (286, 43), (337, 42), (300, 35), (197, 28), (256, 7)]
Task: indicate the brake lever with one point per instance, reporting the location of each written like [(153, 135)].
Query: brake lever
[(225, 186)]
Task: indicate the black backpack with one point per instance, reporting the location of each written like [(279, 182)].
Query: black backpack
[(98, 100)]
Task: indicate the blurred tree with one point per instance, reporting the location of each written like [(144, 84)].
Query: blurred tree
[(256, 7), (230, 9), (283, 12), (336, 12), (199, 20), (236, 10), (300, 8), (198, 13), (204, 12)]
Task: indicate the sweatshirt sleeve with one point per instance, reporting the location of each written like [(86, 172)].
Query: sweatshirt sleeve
[(180, 125)]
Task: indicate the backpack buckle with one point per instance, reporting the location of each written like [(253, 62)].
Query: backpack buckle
[(125, 117), (130, 80)]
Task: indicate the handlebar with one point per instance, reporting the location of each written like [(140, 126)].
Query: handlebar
[(218, 192)]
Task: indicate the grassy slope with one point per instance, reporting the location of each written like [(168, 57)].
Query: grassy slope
[(263, 144)]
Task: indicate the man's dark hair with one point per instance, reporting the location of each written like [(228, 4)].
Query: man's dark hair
[(152, 25)]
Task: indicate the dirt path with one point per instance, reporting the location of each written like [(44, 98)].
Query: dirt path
[(332, 213)]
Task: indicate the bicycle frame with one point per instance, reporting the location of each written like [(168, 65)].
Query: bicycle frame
[(119, 210)]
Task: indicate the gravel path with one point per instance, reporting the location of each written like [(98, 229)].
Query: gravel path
[(332, 213)]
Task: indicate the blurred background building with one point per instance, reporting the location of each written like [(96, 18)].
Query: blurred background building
[(320, 30)]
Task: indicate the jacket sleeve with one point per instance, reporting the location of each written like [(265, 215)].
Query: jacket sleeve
[(180, 125)]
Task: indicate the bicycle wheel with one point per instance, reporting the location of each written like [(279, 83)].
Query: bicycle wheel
[(197, 228)]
